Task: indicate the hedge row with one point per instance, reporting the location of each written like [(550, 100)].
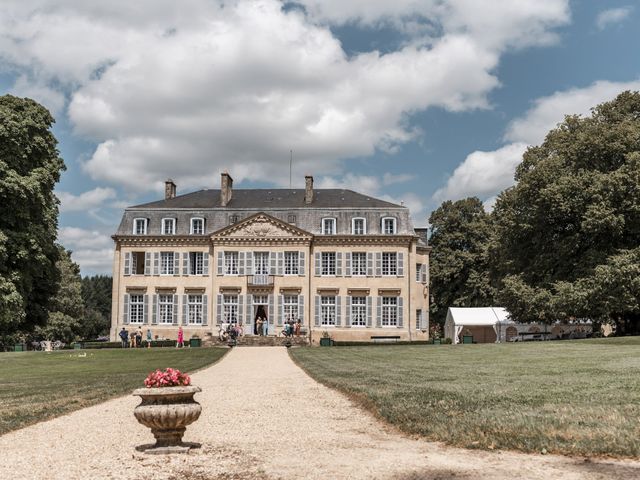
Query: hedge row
[(154, 343), (362, 344)]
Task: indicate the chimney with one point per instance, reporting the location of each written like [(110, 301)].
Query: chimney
[(169, 189), (226, 187), (308, 189)]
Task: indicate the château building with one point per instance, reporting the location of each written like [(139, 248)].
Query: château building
[(341, 262)]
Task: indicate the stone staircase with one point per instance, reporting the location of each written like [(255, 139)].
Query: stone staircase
[(258, 341)]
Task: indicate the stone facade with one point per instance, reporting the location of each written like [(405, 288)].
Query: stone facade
[(278, 253)]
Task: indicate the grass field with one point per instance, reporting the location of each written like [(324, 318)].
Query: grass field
[(36, 386), (572, 397)]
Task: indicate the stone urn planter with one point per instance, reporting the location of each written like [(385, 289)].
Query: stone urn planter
[(167, 411)]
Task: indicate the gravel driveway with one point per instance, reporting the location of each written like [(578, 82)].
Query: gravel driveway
[(264, 418)]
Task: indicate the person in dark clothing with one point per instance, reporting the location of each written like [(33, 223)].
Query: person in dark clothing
[(124, 336)]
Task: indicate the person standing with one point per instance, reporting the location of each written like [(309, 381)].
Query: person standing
[(180, 341), (265, 327), (149, 338), (132, 343), (259, 326), (124, 336), (139, 337)]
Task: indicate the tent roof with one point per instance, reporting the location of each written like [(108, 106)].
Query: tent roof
[(478, 316)]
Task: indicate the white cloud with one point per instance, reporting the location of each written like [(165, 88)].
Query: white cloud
[(612, 16), (187, 89), (91, 249), (86, 201)]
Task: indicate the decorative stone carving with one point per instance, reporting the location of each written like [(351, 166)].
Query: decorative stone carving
[(167, 411), (260, 227)]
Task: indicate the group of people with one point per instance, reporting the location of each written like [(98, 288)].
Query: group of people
[(262, 326), (292, 328), (134, 339)]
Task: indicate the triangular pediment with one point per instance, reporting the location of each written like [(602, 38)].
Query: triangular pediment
[(261, 226)]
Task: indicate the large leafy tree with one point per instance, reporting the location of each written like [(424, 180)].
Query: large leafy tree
[(460, 237), (30, 166), (568, 233), (96, 293)]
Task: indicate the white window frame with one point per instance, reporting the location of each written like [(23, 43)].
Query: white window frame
[(328, 266), (383, 226), (419, 315), (135, 226), (362, 271), (172, 222), (195, 309), (329, 221), (196, 263), (390, 266), (171, 265), (261, 263), (328, 311), (192, 230), (364, 226), (136, 309), (358, 312), (291, 263), (389, 312), (231, 263), (230, 308), (165, 308), (134, 262), (290, 308), (419, 272)]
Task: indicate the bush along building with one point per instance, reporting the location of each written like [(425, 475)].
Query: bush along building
[(346, 265)]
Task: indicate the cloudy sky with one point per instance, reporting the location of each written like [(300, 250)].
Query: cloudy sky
[(412, 100)]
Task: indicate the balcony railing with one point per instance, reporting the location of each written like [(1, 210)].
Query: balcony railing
[(260, 280)]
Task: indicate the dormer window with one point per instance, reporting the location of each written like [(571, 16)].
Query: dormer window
[(358, 226), (233, 219), (140, 226), (388, 225), (197, 226), (328, 226), (168, 226)]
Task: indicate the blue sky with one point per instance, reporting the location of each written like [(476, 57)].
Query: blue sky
[(413, 100)]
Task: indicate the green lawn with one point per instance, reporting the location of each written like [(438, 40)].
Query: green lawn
[(571, 397), (36, 386)]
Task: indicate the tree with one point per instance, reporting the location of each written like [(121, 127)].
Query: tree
[(96, 293), (461, 233), (29, 169), (568, 233)]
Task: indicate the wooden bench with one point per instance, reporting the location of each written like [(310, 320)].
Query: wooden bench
[(385, 338)]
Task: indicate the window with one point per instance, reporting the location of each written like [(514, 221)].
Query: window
[(196, 263), (168, 226), (194, 309), (231, 263), (359, 264), (261, 263), (291, 218), (389, 263), (140, 226), (358, 226), (197, 226), (418, 319), (233, 219), (230, 307), (291, 263), (137, 263), (418, 272), (136, 308), (389, 225), (359, 311), (328, 226), (165, 310), (389, 311), (328, 263), (167, 265), (328, 310), (290, 307)]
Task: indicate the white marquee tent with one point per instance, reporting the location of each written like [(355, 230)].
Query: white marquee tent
[(459, 318)]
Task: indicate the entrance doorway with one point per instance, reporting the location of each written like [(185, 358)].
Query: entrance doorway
[(260, 311)]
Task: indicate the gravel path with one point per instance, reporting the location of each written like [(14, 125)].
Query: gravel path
[(263, 418)]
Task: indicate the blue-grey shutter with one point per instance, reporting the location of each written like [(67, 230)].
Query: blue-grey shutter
[(280, 309), (249, 263), (175, 309), (185, 263), (369, 310), (378, 264), (400, 313), (338, 264), (273, 263), (301, 264), (301, 308), (145, 309), (185, 310), (424, 273), (147, 263), (400, 260), (338, 311), (369, 264), (423, 319), (347, 313), (240, 310), (127, 263), (280, 263), (317, 316), (205, 309), (378, 312), (347, 268), (176, 263), (221, 262), (154, 313), (205, 263), (318, 264), (270, 310), (248, 317), (218, 309), (125, 311), (156, 263), (241, 257)]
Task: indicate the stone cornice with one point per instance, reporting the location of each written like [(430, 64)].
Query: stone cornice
[(160, 240), (348, 240)]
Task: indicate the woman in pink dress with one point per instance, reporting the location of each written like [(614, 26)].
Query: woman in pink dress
[(180, 341)]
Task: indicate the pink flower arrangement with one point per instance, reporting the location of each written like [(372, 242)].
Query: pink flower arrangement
[(169, 378)]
